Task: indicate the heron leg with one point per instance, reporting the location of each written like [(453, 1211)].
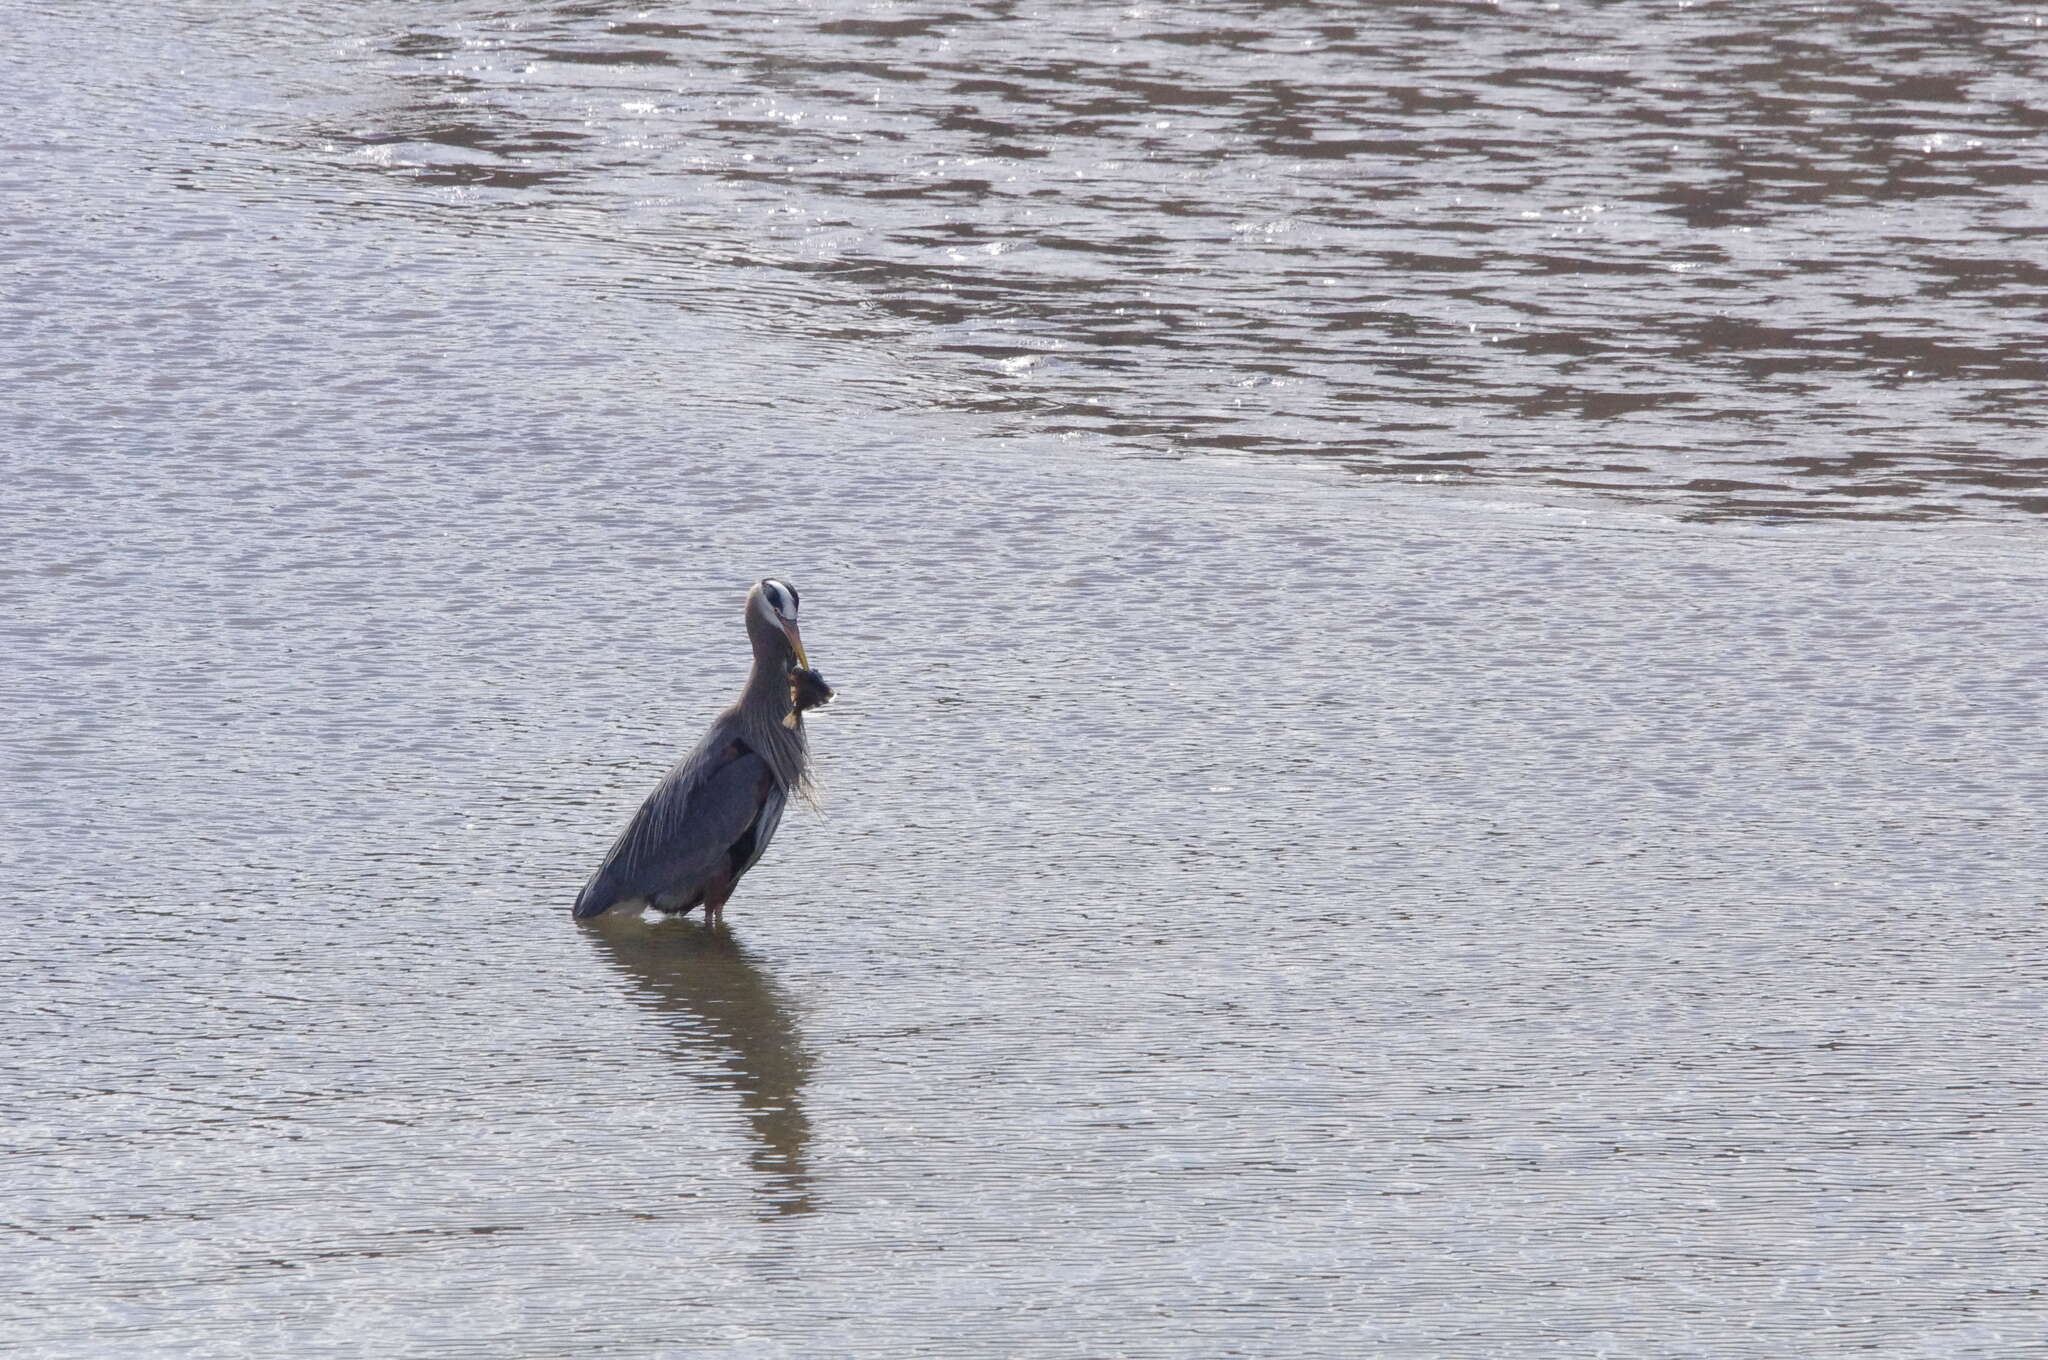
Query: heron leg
[(715, 895)]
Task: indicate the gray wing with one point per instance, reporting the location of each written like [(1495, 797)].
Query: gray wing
[(688, 830), (747, 854)]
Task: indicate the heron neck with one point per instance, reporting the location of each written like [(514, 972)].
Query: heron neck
[(767, 690), (775, 728), (767, 707)]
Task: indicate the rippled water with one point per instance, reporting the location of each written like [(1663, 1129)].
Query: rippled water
[(1752, 258), (1576, 887)]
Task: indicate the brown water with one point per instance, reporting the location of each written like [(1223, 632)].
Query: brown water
[(1573, 886)]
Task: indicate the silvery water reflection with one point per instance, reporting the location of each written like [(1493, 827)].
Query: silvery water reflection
[(1748, 258), (1257, 910), (733, 1031)]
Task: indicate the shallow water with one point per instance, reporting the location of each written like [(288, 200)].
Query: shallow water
[(1739, 258), (1257, 909)]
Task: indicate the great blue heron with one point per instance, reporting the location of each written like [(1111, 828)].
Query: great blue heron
[(708, 821)]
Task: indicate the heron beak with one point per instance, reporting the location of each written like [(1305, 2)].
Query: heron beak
[(796, 640)]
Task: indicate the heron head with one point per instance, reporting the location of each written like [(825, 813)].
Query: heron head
[(776, 601)]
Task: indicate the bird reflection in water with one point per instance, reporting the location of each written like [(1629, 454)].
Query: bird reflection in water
[(733, 1029)]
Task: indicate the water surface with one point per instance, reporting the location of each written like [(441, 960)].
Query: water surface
[(1739, 258), (1300, 872)]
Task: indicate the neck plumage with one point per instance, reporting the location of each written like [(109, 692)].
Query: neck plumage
[(767, 713)]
